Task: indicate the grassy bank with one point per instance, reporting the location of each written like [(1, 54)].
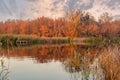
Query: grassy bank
[(11, 40), (116, 40), (96, 40), (52, 40)]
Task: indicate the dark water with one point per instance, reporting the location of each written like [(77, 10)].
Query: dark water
[(66, 62)]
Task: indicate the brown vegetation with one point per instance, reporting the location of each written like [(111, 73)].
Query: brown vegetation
[(76, 58), (110, 62), (77, 24)]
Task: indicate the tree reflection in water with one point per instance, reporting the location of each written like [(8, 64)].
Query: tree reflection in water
[(99, 63), (82, 62), (78, 64)]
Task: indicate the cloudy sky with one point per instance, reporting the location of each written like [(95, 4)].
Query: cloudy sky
[(31, 9)]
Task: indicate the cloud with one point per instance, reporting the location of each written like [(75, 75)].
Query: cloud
[(48, 8), (31, 9)]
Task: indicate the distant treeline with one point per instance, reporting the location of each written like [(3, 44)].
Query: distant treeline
[(76, 24)]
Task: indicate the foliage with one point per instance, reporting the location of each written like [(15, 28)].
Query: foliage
[(77, 24)]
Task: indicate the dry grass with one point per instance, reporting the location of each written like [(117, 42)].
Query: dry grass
[(110, 62)]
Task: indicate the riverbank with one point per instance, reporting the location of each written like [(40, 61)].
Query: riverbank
[(27, 40)]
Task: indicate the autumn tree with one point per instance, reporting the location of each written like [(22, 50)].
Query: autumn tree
[(79, 21), (105, 18), (76, 24)]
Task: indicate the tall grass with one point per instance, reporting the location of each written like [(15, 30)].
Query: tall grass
[(110, 62)]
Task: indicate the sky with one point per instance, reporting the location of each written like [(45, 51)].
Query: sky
[(28, 9), (9, 9), (32, 9)]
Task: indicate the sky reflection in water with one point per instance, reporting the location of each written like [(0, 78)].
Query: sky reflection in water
[(61, 63)]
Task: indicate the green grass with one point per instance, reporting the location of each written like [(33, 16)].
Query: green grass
[(10, 40), (39, 41), (95, 40), (103, 41), (50, 41), (116, 40)]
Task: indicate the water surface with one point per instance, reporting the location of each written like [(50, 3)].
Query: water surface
[(66, 62)]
